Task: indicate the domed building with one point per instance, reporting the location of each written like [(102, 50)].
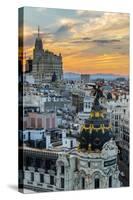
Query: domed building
[(93, 164), (89, 163), (97, 129), (97, 151)]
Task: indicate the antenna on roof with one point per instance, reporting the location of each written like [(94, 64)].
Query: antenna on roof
[(38, 30)]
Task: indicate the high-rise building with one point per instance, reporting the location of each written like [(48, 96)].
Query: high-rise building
[(45, 63)]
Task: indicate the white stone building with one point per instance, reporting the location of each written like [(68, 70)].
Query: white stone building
[(88, 102), (87, 106), (116, 110), (74, 170)]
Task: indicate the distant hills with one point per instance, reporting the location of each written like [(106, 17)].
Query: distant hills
[(76, 76), (106, 76), (72, 76)]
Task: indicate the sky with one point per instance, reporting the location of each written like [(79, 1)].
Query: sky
[(89, 41)]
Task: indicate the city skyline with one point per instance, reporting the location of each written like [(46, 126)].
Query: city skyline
[(89, 41), (74, 131)]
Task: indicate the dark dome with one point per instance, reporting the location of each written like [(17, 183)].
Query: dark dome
[(96, 139), (96, 130), (109, 96)]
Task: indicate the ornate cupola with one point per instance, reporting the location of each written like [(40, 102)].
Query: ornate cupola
[(96, 130)]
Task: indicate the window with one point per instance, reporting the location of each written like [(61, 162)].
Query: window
[(41, 178), (32, 176), (110, 181), (88, 164), (25, 124), (62, 182), (39, 123), (71, 144), (86, 105), (83, 182), (62, 169), (76, 164), (52, 180), (29, 135), (116, 116), (97, 184), (116, 123), (32, 122), (53, 122), (47, 123), (116, 130)]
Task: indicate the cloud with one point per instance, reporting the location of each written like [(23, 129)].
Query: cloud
[(98, 41), (83, 38), (111, 25), (63, 32), (86, 38), (65, 29), (105, 41), (89, 14), (66, 21)]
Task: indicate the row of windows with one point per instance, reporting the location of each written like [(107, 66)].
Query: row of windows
[(96, 182), (126, 138), (39, 122), (87, 105), (42, 178), (29, 135), (117, 117), (52, 181)]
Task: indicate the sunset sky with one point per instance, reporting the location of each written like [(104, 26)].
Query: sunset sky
[(89, 41)]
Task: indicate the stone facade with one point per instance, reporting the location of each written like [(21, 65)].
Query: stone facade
[(74, 170)]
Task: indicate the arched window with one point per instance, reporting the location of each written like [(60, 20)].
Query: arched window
[(97, 183), (83, 183), (61, 166), (62, 182), (110, 181), (62, 169)]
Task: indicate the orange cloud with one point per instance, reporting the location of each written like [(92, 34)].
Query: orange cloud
[(105, 50)]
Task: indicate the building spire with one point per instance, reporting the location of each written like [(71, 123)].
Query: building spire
[(38, 31)]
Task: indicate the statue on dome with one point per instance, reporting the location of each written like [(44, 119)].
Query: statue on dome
[(98, 93), (96, 130)]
